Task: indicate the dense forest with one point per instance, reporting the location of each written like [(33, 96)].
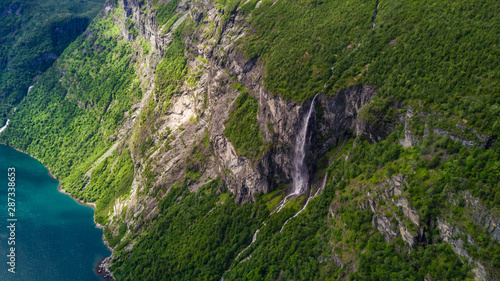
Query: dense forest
[(32, 36), (179, 119)]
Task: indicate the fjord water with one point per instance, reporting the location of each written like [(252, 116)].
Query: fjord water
[(56, 238)]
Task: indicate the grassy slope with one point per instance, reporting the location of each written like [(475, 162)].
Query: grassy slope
[(187, 246), (242, 128), (297, 251), (421, 65), (434, 55), (32, 34), (73, 111), (194, 238), (184, 242)]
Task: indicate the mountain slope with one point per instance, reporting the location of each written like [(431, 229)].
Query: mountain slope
[(32, 35), (181, 121)]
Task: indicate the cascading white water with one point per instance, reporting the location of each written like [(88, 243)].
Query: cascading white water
[(5, 127), (300, 173), (254, 238), (375, 15), (308, 199)]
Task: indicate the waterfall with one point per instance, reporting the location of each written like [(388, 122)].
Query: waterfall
[(308, 199), (5, 127), (375, 15), (254, 238), (300, 173)]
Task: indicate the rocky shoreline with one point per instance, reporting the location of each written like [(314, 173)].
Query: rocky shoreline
[(102, 270)]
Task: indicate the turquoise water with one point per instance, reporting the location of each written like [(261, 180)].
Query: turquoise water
[(56, 238)]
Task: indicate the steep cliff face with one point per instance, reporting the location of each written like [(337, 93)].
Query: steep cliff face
[(193, 158), (185, 141), (222, 65), (180, 137)]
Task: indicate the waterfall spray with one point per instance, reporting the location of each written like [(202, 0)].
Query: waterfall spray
[(308, 199), (300, 172)]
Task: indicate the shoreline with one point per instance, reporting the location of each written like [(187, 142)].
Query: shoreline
[(102, 267), (59, 187), (102, 270)]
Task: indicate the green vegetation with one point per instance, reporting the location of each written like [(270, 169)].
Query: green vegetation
[(191, 247), (130, 27), (146, 48), (33, 34), (228, 7), (382, 261), (296, 252), (242, 128), (111, 179), (165, 10), (113, 240), (458, 169), (74, 110), (439, 53), (436, 56), (195, 237), (198, 235), (170, 72)]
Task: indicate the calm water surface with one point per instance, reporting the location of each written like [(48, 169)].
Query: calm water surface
[(56, 238)]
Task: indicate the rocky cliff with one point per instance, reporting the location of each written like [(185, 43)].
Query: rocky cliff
[(193, 162), (220, 64), (199, 110)]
